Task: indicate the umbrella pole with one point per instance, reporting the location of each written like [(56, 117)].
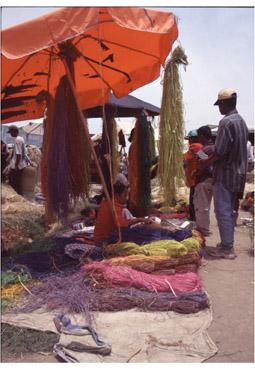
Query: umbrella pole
[(70, 80)]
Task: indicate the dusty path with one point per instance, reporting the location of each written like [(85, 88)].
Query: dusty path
[(230, 284)]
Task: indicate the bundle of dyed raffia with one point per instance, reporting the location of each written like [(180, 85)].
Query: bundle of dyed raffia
[(157, 248), (34, 155), (68, 293), (186, 268), (71, 294), (171, 128), (109, 149), (125, 276), (67, 172), (142, 235), (116, 299), (150, 264), (199, 237), (22, 220), (139, 158)]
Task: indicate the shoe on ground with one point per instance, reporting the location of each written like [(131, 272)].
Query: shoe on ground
[(222, 253)]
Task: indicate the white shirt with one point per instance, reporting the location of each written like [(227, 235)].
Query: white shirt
[(250, 152), (126, 214), (19, 149)]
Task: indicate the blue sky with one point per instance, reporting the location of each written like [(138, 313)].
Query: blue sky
[(219, 43)]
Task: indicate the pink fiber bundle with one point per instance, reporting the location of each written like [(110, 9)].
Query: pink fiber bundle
[(127, 277)]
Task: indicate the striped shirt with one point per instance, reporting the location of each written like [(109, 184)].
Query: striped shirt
[(231, 148)]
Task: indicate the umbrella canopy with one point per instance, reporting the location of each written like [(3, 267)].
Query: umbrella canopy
[(110, 49), (33, 128), (127, 106)]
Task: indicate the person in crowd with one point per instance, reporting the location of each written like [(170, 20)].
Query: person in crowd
[(4, 158), (230, 167), (240, 195), (190, 161), (204, 186), (18, 160)]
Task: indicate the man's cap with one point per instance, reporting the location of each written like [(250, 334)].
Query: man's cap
[(13, 128), (225, 94), (192, 133)]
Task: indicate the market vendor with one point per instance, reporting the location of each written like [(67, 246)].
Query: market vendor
[(105, 223)]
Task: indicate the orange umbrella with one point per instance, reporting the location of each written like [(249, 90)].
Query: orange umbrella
[(99, 50), (118, 49)]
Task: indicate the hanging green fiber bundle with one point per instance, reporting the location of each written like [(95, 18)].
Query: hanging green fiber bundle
[(171, 128), (145, 164), (152, 146), (114, 150), (139, 158)]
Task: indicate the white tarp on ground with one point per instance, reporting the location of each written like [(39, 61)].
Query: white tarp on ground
[(159, 337)]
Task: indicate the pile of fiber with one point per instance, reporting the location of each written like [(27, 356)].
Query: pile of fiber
[(157, 264), (123, 298), (156, 248), (124, 276), (22, 220), (12, 285), (199, 237), (34, 154), (142, 235), (73, 294)]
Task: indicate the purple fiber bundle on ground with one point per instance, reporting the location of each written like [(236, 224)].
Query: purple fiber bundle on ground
[(76, 294), (142, 235), (112, 299), (59, 172), (68, 294)]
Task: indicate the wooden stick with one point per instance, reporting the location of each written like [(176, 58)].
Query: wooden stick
[(71, 83)]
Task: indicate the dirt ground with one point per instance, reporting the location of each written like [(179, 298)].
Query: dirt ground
[(230, 284)]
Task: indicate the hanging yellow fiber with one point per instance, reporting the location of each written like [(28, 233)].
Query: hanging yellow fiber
[(171, 128)]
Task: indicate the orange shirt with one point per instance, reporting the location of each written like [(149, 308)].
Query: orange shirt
[(105, 223), (191, 161)]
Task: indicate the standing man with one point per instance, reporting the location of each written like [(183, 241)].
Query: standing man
[(204, 182), (18, 160), (230, 166)]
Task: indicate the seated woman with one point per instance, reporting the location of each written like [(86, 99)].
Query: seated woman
[(105, 223)]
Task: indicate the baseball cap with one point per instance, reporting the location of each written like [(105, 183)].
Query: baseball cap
[(12, 128), (192, 133), (226, 93)]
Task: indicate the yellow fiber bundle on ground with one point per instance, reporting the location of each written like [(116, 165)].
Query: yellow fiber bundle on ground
[(156, 248), (123, 249), (11, 291), (191, 244), (164, 248)]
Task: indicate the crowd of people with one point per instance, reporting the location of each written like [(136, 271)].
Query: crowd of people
[(218, 170)]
